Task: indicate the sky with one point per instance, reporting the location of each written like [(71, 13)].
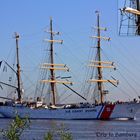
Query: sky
[(75, 20)]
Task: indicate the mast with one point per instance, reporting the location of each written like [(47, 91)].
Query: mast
[(18, 68), (130, 18), (52, 66), (138, 18), (99, 59), (138, 6), (100, 65), (53, 85)]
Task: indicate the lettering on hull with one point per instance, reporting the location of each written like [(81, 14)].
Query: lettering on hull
[(79, 111)]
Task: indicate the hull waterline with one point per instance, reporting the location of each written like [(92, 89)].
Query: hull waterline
[(99, 112)]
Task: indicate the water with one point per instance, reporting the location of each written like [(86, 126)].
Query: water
[(83, 129)]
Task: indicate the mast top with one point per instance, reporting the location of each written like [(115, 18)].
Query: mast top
[(16, 35), (50, 17), (97, 12)]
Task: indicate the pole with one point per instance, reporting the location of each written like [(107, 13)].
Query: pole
[(52, 62), (99, 59), (18, 68)]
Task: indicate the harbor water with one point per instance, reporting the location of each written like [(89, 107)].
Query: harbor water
[(82, 129)]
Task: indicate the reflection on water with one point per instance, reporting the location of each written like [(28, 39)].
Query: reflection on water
[(83, 129)]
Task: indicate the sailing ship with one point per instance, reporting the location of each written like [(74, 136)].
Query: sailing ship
[(100, 109)]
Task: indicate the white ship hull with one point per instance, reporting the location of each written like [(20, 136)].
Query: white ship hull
[(108, 111)]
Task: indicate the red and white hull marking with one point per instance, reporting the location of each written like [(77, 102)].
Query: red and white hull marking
[(106, 111)]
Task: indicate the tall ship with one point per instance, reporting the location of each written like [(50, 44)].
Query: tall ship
[(99, 109)]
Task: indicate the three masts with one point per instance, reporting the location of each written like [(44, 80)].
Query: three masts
[(52, 67), (97, 110)]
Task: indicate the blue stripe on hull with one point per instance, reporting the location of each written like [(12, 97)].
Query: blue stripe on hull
[(100, 112)]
